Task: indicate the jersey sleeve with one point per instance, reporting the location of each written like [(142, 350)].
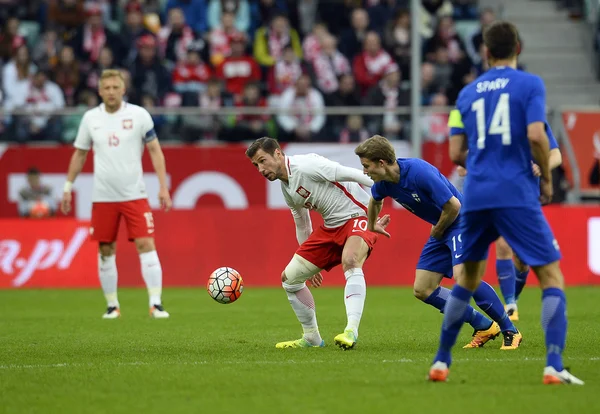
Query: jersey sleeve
[(551, 137), (83, 140), (148, 132), (431, 182), (377, 192), (455, 123), (536, 101), (319, 168)]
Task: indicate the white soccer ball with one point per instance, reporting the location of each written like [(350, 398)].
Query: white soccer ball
[(225, 285)]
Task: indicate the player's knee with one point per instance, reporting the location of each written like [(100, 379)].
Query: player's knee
[(520, 266), (422, 292), (298, 271), (107, 249), (144, 244), (292, 288), (503, 250), (351, 261)]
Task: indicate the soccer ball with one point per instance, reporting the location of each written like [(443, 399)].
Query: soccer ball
[(225, 285)]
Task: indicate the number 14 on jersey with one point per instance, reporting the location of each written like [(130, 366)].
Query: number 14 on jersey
[(500, 123)]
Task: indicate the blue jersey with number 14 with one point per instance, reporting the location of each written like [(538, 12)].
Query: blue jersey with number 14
[(495, 111)]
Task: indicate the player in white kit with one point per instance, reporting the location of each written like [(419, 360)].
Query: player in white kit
[(117, 132), (312, 182)]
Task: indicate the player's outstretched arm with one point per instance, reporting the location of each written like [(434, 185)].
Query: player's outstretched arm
[(373, 222), (75, 166), (160, 167), (343, 173), (303, 224), (450, 212)]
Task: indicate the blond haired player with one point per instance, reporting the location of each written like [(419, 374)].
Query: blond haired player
[(117, 132), (312, 182)]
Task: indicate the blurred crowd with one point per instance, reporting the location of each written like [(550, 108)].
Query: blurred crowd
[(288, 54)]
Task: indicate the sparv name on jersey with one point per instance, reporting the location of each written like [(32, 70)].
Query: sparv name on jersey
[(493, 85)]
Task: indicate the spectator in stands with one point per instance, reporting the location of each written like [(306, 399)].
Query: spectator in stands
[(194, 12), (329, 65), (15, 77), (464, 9), (443, 68), (397, 40), (249, 127), (220, 38), (311, 45), (380, 11), (240, 9), (149, 76), (283, 75), (43, 96), (346, 95), (191, 75), (66, 15), (387, 94), (431, 12), (67, 75), (131, 93), (352, 39), (446, 36), (10, 38), (208, 126), (354, 130), (149, 102), (132, 30), (105, 61), (486, 17), (301, 125), (370, 65), (35, 200), (239, 68), (45, 52), (337, 14), (270, 41), (175, 37), (307, 15), (263, 11), (92, 37)]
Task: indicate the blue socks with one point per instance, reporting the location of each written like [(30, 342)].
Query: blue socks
[(554, 324), (438, 299), (520, 282), (505, 270), (486, 298), (454, 313)]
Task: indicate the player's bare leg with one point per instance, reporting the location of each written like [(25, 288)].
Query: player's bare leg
[(427, 288), (107, 273), (456, 306), (293, 280), (522, 271), (152, 274), (505, 270), (353, 257), (554, 323)]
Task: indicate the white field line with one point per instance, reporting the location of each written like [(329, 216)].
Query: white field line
[(287, 362)]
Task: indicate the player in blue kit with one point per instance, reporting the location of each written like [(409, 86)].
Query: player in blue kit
[(425, 192), (504, 114), (512, 272)]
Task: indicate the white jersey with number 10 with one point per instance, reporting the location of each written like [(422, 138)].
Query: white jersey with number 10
[(312, 185)]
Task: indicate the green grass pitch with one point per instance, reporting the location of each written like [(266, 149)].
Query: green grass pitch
[(58, 356)]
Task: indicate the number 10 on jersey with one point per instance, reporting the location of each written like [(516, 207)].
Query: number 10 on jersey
[(500, 124)]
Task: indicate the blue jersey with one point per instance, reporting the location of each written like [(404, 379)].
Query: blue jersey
[(422, 190), (495, 111)]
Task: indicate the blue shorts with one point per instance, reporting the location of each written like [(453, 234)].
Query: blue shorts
[(525, 229), (440, 256)]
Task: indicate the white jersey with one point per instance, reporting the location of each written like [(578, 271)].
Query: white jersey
[(118, 142), (312, 185)]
